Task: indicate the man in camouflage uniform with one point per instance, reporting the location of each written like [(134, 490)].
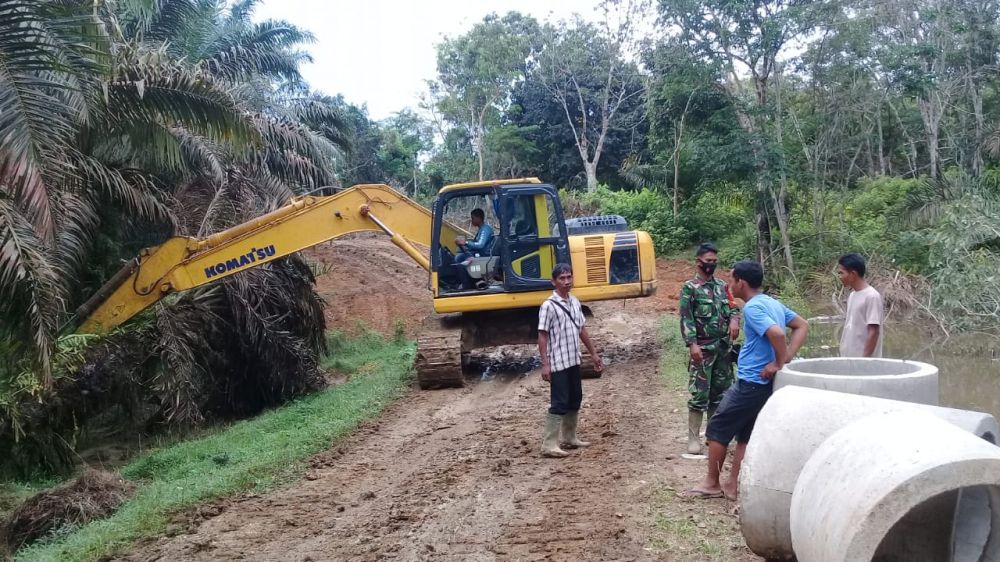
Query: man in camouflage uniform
[(709, 325)]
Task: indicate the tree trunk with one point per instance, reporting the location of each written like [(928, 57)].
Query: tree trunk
[(763, 225), (677, 172), (779, 200), (678, 139), (977, 109), (881, 141), (930, 114), (591, 169), (911, 155), (480, 139)]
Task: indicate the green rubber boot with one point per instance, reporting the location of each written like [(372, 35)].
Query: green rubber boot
[(694, 431), (550, 439), (569, 438)]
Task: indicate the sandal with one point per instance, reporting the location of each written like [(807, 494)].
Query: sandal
[(702, 494)]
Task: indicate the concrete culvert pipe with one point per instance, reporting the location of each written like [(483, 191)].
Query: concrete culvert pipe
[(909, 381), (792, 425), (904, 486)]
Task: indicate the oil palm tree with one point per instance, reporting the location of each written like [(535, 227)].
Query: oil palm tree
[(163, 116)]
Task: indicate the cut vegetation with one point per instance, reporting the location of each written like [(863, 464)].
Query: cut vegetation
[(251, 455)]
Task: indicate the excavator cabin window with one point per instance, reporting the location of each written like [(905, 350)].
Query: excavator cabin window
[(529, 238), (468, 268)]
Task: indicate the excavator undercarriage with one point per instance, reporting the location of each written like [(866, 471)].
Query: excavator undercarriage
[(447, 341)]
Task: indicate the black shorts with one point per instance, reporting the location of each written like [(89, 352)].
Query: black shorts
[(737, 412)]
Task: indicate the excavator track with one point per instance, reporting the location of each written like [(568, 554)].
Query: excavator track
[(587, 370), (439, 353)]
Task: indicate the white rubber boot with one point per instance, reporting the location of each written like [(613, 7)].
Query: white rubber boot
[(550, 439), (694, 431), (569, 438)]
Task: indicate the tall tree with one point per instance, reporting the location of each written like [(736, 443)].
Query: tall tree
[(477, 72), (587, 70), (746, 39)]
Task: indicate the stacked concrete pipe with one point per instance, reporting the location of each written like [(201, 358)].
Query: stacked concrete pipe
[(896, 379), (789, 430), (903, 486)]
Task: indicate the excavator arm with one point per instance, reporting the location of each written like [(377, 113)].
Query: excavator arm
[(182, 263)]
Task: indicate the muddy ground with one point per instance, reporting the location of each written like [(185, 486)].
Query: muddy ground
[(455, 475)]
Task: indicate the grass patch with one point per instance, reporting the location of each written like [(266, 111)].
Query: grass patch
[(696, 536), (12, 494), (254, 454), (674, 359), (688, 529)]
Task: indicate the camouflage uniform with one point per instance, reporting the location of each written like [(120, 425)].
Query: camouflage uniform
[(706, 308)]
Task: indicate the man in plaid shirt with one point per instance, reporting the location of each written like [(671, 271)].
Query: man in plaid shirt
[(560, 330)]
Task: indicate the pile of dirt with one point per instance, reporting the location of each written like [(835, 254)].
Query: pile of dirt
[(670, 277), (95, 494), (367, 281)]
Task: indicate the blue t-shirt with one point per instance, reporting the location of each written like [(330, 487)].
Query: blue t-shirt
[(759, 314), (482, 239)]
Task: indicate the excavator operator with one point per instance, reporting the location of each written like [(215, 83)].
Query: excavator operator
[(481, 244)]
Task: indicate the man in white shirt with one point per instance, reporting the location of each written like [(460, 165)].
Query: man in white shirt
[(862, 333), (560, 331)]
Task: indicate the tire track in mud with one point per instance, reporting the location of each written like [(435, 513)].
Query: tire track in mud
[(456, 475)]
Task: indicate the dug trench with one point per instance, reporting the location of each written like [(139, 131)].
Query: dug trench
[(455, 474)]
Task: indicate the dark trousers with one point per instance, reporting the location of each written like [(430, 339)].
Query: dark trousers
[(463, 275), (566, 391), (738, 411)]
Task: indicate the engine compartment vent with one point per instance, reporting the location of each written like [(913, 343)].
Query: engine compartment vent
[(598, 224), (597, 269)]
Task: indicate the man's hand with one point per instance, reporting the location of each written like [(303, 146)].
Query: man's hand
[(598, 364), (734, 329), (546, 373), (696, 356), (460, 241), (769, 371)]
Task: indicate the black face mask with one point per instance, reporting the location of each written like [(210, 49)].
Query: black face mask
[(708, 268)]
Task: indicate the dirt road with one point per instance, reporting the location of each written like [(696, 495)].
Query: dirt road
[(455, 475)]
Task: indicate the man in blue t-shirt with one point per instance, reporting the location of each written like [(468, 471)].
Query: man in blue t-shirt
[(763, 354)]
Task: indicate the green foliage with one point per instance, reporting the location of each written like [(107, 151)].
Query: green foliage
[(716, 212), (254, 454), (478, 70), (644, 210), (674, 358)]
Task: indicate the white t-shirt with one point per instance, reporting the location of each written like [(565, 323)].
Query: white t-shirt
[(864, 308)]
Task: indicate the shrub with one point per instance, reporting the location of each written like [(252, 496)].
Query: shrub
[(645, 210)]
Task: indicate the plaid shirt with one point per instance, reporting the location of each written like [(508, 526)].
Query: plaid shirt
[(564, 334)]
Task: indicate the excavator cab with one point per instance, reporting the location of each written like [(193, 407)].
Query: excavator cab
[(529, 238)]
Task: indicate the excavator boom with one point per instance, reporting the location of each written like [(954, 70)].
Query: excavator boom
[(183, 263)]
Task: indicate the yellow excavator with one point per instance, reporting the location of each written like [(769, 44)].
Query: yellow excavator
[(496, 291)]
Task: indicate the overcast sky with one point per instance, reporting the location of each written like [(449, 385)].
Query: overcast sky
[(381, 52)]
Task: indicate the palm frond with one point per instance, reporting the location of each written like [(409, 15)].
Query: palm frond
[(925, 205), (41, 102), (180, 382), (645, 175), (78, 223), (321, 115), (992, 143), (130, 188), (294, 152), (29, 288), (176, 95)]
